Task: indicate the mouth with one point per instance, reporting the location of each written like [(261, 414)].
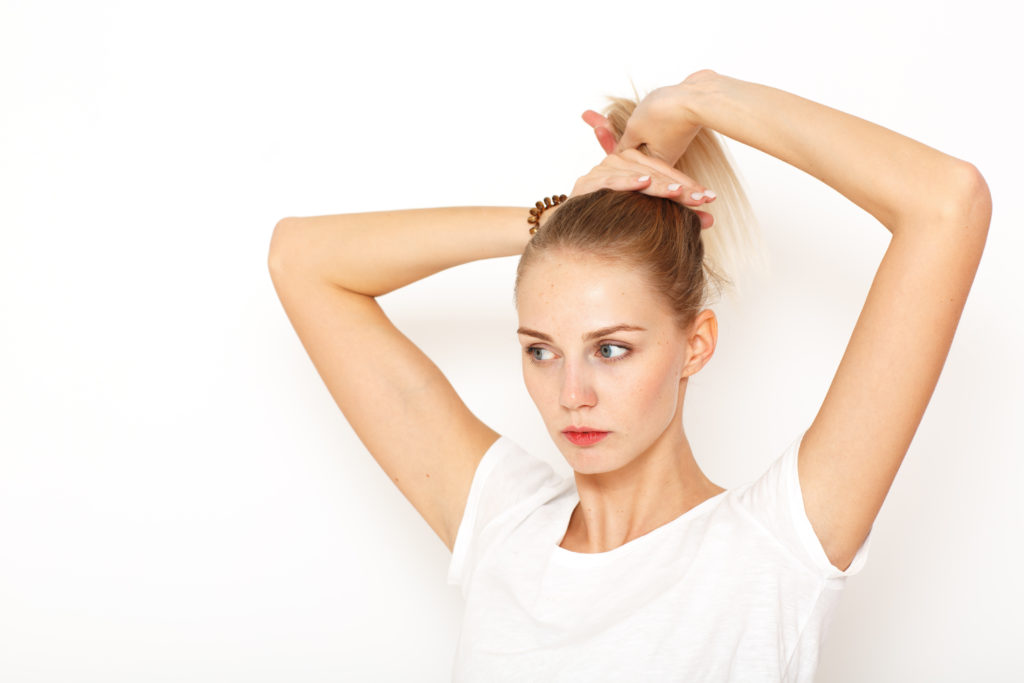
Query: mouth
[(583, 436)]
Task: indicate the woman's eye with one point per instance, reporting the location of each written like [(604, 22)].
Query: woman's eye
[(538, 353), (612, 351)]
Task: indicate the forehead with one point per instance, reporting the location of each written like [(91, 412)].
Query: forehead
[(576, 292)]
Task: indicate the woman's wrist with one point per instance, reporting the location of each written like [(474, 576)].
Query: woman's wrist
[(695, 95), (668, 119)]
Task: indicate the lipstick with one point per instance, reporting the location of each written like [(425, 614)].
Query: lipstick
[(582, 436)]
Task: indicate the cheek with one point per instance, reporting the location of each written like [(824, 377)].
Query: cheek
[(537, 385), (647, 394), (653, 392)]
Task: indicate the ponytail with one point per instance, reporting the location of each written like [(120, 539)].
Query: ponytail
[(732, 242)]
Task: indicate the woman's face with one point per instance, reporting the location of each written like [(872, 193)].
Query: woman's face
[(603, 358)]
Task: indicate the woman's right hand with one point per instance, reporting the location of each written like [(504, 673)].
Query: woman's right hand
[(632, 170)]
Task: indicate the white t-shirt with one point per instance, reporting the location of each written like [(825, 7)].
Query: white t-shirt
[(736, 589)]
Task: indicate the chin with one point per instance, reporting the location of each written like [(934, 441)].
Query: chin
[(594, 459)]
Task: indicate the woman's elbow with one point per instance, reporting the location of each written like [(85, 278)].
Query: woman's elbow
[(280, 241), (970, 206), (978, 198)]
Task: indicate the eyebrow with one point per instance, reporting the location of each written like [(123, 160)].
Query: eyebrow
[(604, 331)]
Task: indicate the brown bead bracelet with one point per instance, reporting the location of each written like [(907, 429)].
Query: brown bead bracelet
[(534, 219)]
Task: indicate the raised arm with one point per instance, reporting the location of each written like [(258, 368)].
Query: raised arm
[(327, 271), (937, 208)]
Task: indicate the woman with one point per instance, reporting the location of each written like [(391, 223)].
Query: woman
[(639, 567)]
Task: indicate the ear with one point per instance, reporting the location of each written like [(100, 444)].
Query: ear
[(701, 340)]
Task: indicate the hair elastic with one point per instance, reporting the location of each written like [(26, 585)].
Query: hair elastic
[(534, 219)]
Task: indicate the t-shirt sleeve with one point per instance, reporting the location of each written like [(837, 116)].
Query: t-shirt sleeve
[(508, 483), (777, 501)]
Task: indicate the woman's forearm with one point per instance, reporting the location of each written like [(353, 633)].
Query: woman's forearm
[(375, 253), (894, 178)]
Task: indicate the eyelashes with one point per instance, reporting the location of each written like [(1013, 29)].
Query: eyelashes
[(606, 351), (535, 352), (602, 347)]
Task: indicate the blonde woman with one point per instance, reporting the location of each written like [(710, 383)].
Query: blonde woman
[(638, 567)]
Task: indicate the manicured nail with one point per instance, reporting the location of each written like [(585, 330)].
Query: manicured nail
[(696, 195), (673, 187), (644, 178), (709, 194)]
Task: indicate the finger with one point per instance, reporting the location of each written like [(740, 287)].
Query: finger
[(590, 183), (594, 120), (638, 157), (668, 180), (706, 219), (602, 130), (669, 189), (605, 139), (699, 196), (684, 193)]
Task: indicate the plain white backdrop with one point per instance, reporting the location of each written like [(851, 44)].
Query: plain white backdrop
[(180, 499)]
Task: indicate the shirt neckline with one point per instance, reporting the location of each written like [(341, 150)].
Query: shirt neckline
[(572, 557)]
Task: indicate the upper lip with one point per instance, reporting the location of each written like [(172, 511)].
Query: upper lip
[(574, 428)]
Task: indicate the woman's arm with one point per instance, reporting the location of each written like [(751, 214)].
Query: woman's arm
[(892, 177), (938, 210), (375, 253), (327, 271)]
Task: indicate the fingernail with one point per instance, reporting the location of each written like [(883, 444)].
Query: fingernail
[(709, 194), (644, 178), (696, 195), (673, 187)]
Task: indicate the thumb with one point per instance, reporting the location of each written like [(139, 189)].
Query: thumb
[(594, 119), (706, 219), (606, 139), (602, 130)]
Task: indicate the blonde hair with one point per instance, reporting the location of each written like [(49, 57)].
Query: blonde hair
[(732, 242), (659, 236)]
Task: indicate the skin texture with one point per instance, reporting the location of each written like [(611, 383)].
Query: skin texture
[(630, 383)]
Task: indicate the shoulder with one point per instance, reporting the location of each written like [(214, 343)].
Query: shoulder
[(508, 473), (776, 501), (509, 484)]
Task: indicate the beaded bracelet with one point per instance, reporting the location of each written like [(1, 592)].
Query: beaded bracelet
[(534, 219)]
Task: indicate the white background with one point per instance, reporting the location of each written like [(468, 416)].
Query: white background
[(180, 499)]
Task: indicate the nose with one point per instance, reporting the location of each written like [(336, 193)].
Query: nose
[(577, 389)]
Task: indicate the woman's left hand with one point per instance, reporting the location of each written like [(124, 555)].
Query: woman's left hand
[(635, 171), (662, 122)]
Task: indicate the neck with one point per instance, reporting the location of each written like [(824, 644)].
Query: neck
[(653, 489)]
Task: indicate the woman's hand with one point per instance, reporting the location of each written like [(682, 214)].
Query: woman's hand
[(634, 171), (662, 121), (602, 130)]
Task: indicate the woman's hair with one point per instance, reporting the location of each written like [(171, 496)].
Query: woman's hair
[(660, 237)]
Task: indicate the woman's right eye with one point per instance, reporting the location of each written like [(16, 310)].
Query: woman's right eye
[(537, 353)]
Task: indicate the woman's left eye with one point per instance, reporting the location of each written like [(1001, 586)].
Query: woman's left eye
[(612, 351)]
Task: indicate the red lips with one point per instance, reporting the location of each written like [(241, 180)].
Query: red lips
[(583, 436)]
